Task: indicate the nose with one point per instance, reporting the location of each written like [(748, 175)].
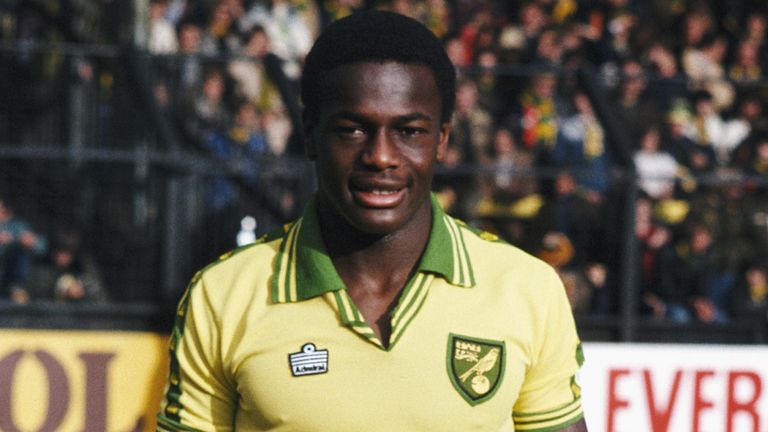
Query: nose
[(380, 151)]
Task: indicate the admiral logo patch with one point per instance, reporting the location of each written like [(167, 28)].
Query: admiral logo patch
[(309, 361), (475, 366)]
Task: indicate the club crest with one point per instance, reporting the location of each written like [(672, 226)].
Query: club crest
[(475, 366)]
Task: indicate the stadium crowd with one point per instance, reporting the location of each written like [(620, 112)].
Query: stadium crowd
[(530, 159)]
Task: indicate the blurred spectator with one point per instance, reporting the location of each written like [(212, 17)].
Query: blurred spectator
[(221, 35), (633, 106), (699, 277), (660, 295), (697, 24), (568, 212), (19, 244), (616, 46), (248, 72), (581, 145), (538, 114), (741, 131), (510, 204), (756, 28), (243, 142), (471, 133), (513, 165), (704, 64), (471, 33), (533, 20), (67, 274), (756, 156), (708, 130), (488, 95), (656, 168), (730, 217), (558, 251), (548, 48), (746, 68), (697, 157), (670, 83), (456, 51), (190, 63), (229, 196), (254, 84), (208, 112), (751, 296), (290, 26), (162, 36)]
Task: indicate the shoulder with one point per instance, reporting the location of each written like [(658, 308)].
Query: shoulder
[(241, 273), (513, 282), (494, 257)]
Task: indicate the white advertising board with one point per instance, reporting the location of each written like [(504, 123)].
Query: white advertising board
[(675, 388)]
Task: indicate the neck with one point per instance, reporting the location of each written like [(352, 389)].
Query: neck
[(374, 262)]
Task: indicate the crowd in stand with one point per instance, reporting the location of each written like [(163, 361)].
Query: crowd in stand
[(530, 158)]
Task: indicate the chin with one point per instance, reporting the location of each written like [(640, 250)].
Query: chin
[(376, 222)]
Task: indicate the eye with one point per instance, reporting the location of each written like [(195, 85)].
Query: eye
[(348, 131), (411, 131)]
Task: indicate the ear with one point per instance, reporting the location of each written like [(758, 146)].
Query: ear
[(442, 144)]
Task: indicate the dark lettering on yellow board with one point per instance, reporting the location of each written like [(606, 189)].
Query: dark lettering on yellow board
[(95, 411), (58, 390), (7, 368), (96, 389)]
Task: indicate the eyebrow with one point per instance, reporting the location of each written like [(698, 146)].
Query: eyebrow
[(353, 116)]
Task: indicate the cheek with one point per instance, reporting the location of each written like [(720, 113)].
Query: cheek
[(332, 167)]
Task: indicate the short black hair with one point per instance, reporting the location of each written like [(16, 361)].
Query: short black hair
[(376, 36)]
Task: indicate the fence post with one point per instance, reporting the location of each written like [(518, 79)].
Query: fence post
[(622, 147), (629, 283)]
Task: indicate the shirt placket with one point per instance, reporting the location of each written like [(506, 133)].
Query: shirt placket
[(410, 302)]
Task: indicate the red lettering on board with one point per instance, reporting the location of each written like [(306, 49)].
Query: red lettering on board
[(748, 406), (614, 403), (660, 416), (699, 403)]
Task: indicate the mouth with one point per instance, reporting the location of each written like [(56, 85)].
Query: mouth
[(377, 196)]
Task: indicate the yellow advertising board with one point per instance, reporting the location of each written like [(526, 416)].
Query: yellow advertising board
[(80, 380)]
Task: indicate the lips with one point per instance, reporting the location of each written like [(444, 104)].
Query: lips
[(377, 194)]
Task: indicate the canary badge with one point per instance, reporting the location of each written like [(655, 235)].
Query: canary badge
[(475, 366)]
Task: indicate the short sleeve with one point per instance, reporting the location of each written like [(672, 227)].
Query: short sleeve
[(197, 395), (550, 398)]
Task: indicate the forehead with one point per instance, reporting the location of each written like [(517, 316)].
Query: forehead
[(391, 85)]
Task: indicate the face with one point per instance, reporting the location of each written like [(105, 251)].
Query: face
[(213, 87), (375, 142), (466, 97), (189, 38), (650, 141)]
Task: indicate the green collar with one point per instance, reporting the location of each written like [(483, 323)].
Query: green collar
[(304, 270)]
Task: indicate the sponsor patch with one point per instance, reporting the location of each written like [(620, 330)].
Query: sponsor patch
[(308, 361)]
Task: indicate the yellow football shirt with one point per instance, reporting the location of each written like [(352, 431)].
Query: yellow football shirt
[(267, 339)]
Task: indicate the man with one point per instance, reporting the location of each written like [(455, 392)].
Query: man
[(19, 244), (375, 311)]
